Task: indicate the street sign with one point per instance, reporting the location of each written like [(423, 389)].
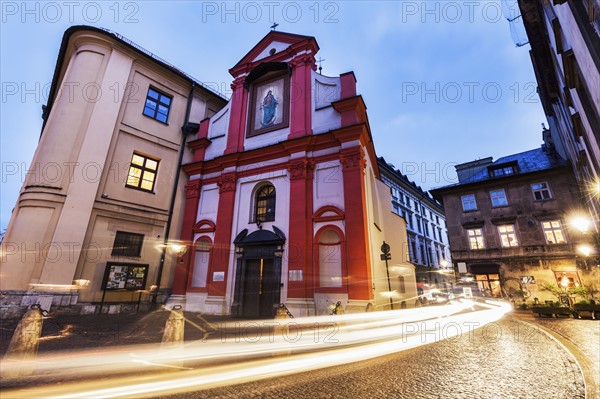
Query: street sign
[(387, 256), (527, 280), (385, 248)]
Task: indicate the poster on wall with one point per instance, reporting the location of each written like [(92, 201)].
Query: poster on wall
[(270, 105), (125, 276)]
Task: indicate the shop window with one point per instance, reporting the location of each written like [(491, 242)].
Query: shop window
[(567, 280), (489, 284)]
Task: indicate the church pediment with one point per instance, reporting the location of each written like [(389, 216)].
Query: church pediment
[(276, 46)]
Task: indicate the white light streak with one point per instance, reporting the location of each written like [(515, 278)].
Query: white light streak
[(311, 343)]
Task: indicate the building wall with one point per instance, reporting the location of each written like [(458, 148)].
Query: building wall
[(566, 59), (322, 166), (78, 200), (533, 256), (427, 235)]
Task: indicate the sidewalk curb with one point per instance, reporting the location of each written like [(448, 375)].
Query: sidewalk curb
[(586, 367)]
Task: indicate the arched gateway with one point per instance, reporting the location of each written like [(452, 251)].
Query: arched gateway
[(258, 283)]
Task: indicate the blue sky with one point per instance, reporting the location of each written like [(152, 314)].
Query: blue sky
[(443, 81)]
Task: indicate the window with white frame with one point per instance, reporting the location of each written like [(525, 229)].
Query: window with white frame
[(553, 232), (498, 197), (475, 237), (508, 237), (541, 191), (469, 203)]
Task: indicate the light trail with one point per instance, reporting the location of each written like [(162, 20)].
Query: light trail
[(357, 337)]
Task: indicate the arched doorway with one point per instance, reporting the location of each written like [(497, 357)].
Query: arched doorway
[(258, 273)]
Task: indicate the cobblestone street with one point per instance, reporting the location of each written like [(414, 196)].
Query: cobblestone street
[(507, 359)]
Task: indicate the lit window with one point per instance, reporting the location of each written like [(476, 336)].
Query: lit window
[(475, 238), (553, 232), (508, 237), (265, 204), (142, 172), (469, 203), (127, 244), (541, 191), (157, 105), (498, 198)]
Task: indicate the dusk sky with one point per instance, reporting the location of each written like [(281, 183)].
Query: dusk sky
[(443, 81)]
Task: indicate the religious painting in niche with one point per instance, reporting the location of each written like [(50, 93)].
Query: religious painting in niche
[(269, 105)]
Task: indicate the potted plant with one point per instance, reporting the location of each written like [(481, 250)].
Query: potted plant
[(587, 309), (550, 309)]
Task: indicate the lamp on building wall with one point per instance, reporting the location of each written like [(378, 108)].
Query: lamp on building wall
[(564, 281), (278, 253), (581, 223), (239, 253), (177, 247)]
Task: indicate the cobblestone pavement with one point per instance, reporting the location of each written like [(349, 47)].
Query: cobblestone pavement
[(584, 334), (507, 359)]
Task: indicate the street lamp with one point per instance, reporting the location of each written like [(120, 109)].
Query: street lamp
[(581, 223), (585, 250)]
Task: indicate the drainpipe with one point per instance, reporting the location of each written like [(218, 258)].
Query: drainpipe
[(185, 130)]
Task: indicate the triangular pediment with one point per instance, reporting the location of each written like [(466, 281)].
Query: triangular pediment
[(277, 41)]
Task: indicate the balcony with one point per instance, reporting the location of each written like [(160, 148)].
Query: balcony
[(521, 252)]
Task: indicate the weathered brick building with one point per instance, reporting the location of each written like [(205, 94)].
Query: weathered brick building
[(512, 225)]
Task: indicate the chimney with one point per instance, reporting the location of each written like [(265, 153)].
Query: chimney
[(467, 170)]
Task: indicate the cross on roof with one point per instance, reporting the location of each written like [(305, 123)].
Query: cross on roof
[(320, 60), (275, 25)]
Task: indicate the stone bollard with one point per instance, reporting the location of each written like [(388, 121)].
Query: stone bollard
[(24, 344), (282, 328), (370, 307), (339, 308), (174, 327), (172, 339)]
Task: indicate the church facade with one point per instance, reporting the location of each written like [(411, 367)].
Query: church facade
[(284, 202)]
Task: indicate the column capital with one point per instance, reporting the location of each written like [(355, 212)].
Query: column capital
[(301, 169), (192, 189), (227, 183), (304, 59), (353, 158)]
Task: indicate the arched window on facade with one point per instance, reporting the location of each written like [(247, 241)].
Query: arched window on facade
[(201, 259), (330, 259), (264, 204)]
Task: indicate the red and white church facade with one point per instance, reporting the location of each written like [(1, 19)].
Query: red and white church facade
[(284, 202)]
